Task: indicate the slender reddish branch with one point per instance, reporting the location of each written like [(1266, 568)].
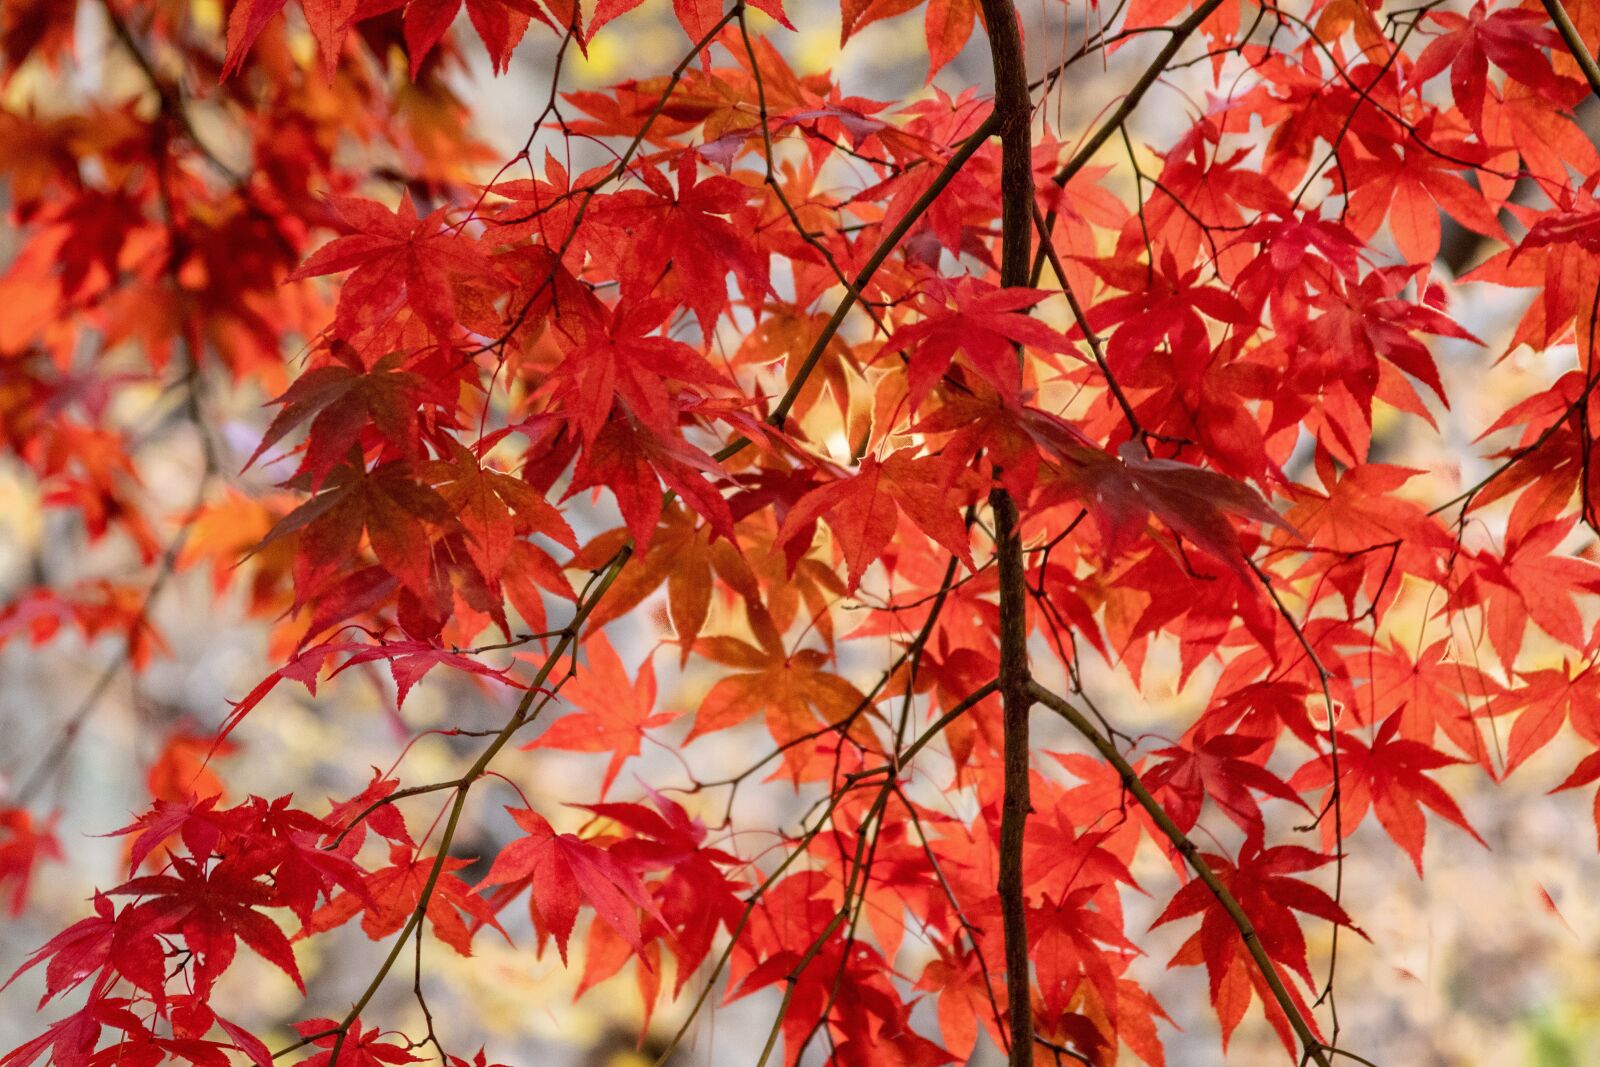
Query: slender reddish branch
[(1315, 1050)]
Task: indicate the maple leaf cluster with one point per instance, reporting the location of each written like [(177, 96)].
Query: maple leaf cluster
[(765, 373)]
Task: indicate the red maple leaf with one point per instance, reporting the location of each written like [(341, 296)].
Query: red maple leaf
[(495, 509), (697, 17), (329, 20), (1436, 693), (399, 261), (500, 24), (90, 946), (410, 660), (1407, 183), (633, 462), (212, 909), (1517, 41), (1074, 944), (1530, 580), (696, 894), (388, 503), (956, 976), (1544, 701), (983, 321), (357, 1047), (391, 895), (623, 358), (1123, 491), (564, 872), (794, 690), (1224, 768), (72, 1041), (1264, 883), (371, 808), (863, 509), (23, 844), (615, 715), (341, 401), (1390, 777), (687, 232), (830, 981)]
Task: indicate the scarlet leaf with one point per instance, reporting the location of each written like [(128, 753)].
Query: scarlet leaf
[(986, 324), (392, 894), (1264, 883), (863, 509), (23, 844), (357, 1047), (794, 691), (1390, 776), (564, 872), (212, 909), (1531, 581), (399, 260), (616, 712), (1123, 491)]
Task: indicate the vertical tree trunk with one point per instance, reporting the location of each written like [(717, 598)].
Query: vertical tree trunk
[(1013, 112)]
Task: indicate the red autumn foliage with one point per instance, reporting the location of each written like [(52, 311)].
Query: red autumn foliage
[(907, 416)]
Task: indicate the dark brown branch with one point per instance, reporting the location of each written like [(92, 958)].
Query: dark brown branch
[(1016, 703), (1013, 111)]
